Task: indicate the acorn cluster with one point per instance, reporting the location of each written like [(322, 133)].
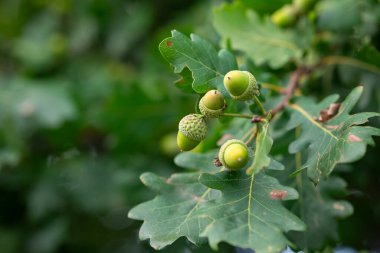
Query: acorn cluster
[(192, 129)]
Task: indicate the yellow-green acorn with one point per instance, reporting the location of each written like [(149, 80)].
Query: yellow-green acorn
[(234, 154), (192, 129), (212, 104), (241, 85), (303, 5), (285, 16)]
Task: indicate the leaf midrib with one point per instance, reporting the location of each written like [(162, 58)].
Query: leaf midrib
[(312, 121), (249, 202), (197, 61)]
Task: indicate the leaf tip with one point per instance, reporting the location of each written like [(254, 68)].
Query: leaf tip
[(358, 89), (174, 32), (152, 181), (133, 214)]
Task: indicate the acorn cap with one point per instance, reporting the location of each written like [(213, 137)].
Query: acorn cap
[(241, 85), (234, 154), (194, 127), (212, 104)]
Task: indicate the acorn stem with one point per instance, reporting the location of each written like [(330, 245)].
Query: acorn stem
[(247, 116), (259, 104)]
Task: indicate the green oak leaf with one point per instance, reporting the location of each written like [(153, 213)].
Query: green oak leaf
[(320, 208), (173, 212), (262, 148), (37, 103), (185, 81), (197, 161), (249, 214), (208, 66), (260, 40), (191, 205), (338, 140)]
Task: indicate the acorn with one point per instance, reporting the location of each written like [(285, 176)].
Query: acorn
[(212, 104), (303, 5), (285, 16), (192, 129), (241, 85), (234, 154)]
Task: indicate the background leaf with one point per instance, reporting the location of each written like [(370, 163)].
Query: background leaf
[(320, 209), (339, 14), (260, 40), (37, 103)]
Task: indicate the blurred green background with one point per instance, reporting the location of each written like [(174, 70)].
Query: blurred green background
[(85, 100), (87, 104)]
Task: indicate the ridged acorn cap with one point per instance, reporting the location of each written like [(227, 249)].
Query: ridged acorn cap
[(234, 154), (194, 127), (212, 104), (241, 85)]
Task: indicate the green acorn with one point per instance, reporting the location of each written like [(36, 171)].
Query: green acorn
[(303, 5), (234, 154), (285, 16), (241, 85), (212, 104), (192, 129)]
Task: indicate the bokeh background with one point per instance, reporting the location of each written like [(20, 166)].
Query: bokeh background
[(87, 104)]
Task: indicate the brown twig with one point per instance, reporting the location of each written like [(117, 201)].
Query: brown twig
[(291, 87), (298, 73)]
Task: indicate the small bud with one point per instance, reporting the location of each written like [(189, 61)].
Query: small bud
[(256, 119), (217, 162)]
